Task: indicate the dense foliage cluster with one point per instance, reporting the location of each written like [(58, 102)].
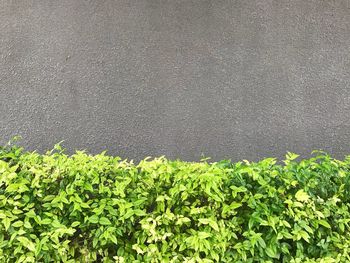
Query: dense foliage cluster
[(84, 208)]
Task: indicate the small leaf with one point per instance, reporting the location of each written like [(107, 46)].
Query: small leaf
[(304, 235), (324, 223), (45, 221), (27, 224), (17, 224), (128, 214), (291, 156), (302, 196), (7, 222), (203, 235), (105, 221), (214, 225), (139, 212), (113, 239), (76, 223), (182, 220), (93, 219), (26, 243)]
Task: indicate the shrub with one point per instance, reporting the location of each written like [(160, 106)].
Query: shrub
[(84, 208)]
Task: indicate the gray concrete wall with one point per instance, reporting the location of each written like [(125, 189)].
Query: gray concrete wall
[(223, 78)]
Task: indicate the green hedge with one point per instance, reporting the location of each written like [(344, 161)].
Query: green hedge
[(84, 208)]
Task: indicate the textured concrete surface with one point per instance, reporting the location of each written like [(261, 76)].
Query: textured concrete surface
[(222, 78)]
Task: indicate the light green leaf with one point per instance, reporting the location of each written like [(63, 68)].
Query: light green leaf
[(26, 243), (93, 219), (7, 222), (45, 221), (105, 221), (203, 235), (324, 223), (302, 196), (291, 156), (214, 225), (17, 224), (75, 223)]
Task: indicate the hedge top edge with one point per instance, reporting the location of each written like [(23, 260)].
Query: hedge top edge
[(88, 208)]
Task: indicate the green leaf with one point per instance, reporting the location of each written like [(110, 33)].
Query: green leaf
[(291, 156), (209, 221), (304, 235), (105, 221), (27, 225), (7, 222), (182, 220), (214, 225), (31, 214), (302, 196), (203, 235), (26, 243), (271, 251), (324, 223), (45, 221), (17, 224), (128, 214), (75, 223), (139, 212), (113, 239), (93, 219)]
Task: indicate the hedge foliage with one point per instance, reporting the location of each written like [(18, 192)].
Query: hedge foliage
[(84, 208)]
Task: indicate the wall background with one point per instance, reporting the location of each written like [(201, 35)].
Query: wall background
[(229, 79)]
